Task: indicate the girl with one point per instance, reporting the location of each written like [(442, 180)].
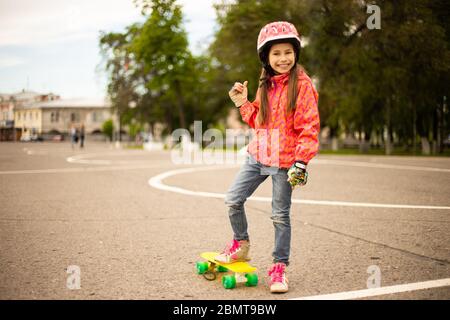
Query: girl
[(286, 122)]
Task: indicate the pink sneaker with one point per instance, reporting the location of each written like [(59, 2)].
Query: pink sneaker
[(278, 280), (235, 251)]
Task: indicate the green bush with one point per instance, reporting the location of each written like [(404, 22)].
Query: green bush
[(108, 129)]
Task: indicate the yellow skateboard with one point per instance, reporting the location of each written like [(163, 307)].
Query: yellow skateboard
[(243, 271)]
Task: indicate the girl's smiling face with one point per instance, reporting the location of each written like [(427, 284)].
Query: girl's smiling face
[(282, 57)]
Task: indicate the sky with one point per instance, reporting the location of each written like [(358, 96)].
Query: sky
[(52, 45)]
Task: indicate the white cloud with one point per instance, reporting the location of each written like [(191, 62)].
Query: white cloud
[(52, 31), (28, 22), (7, 62), (39, 23)]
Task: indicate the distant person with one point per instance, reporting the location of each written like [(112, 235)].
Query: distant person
[(82, 132), (73, 136), (286, 122)]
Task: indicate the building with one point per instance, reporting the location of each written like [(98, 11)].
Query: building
[(56, 117), (7, 117), (9, 102)]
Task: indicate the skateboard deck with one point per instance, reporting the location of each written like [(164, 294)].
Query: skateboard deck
[(239, 267), (243, 271)]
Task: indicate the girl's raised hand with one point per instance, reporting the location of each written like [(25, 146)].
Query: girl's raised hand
[(238, 93)]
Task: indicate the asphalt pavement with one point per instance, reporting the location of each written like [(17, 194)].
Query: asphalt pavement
[(115, 223)]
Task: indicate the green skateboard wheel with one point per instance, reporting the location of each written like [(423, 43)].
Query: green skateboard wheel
[(229, 282), (202, 267), (252, 279), (221, 269)]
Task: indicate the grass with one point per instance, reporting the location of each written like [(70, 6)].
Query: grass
[(135, 147)]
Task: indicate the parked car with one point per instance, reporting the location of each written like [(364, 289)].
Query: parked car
[(25, 138), (31, 138), (58, 138)]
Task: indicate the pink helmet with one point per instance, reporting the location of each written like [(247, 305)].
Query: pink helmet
[(277, 32)]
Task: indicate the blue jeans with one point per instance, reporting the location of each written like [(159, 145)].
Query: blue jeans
[(250, 176)]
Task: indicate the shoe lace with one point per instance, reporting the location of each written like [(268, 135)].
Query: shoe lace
[(276, 273), (231, 247)]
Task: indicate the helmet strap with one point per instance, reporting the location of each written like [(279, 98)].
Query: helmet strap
[(269, 69)]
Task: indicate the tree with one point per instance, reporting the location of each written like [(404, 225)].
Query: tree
[(379, 80), (162, 47), (124, 75), (108, 129), (151, 67)]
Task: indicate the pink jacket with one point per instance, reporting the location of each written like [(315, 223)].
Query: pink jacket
[(285, 138)]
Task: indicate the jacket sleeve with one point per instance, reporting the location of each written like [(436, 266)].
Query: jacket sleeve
[(249, 111), (306, 123)]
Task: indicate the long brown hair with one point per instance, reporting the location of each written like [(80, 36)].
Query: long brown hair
[(264, 83)]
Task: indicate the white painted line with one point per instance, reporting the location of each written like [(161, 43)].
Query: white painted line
[(39, 152), (71, 170), (380, 291), (156, 182), (376, 165), (80, 161), (83, 158)]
